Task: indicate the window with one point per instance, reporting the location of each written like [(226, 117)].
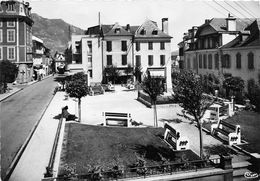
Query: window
[(143, 32), (195, 63), (216, 61), (1, 53), (137, 46), (238, 60), (109, 46), (200, 61), (124, 59), (10, 35), (138, 60), (10, 7), (155, 32), (10, 23), (188, 63), (150, 45), (90, 73), (90, 46), (226, 62), (162, 60), (250, 60), (162, 45), (90, 59), (124, 46), (1, 35), (10, 53), (204, 61), (150, 60), (109, 59), (210, 61)]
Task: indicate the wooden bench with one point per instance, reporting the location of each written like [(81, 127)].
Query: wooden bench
[(174, 138), (227, 132), (116, 119)]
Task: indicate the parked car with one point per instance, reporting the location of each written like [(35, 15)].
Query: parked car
[(108, 87), (96, 88)]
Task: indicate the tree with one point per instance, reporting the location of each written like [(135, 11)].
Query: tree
[(77, 87), (113, 72), (153, 87), (235, 84), (8, 73), (189, 93), (128, 70), (138, 72)]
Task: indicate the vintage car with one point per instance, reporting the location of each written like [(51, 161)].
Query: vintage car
[(96, 88)]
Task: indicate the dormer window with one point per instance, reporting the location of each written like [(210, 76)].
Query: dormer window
[(155, 32), (117, 30), (143, 32), (10, 7)]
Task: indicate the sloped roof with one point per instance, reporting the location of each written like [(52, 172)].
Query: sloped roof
[(219, 25), (117, 30), (253, 38), (149, 27)]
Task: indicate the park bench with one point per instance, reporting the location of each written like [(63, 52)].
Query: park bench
[(227, 132), (174, 138), (116, 119)]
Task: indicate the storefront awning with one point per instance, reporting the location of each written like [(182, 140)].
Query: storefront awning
[(157, 72)]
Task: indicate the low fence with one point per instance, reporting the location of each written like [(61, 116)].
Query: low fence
[(145, 171)]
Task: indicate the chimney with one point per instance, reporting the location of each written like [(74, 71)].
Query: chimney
[(165, 25), (207, 21), (127, 27), (231, 23)]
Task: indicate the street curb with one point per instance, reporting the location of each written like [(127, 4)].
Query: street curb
[(21, 89), (11, 94), (24, 145)]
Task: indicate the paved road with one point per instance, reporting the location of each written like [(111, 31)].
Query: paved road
[(19, 113)]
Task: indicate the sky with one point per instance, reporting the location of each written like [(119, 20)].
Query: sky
[(182, 14)]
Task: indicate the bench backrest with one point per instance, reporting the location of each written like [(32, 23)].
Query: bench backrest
[(116, 119), (174, 139)]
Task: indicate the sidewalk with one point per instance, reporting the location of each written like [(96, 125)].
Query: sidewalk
[(13, 89), (35, 158)]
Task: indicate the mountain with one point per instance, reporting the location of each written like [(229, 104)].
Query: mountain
[(53, 32)]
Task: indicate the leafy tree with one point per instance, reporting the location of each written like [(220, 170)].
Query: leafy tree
[(153, 87), (210, 83), (189, 93), (8, 73), (113, 72), (137, 73), (235, 84), (128, 70), (77, 87)]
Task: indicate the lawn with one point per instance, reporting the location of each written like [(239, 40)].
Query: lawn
[(86, 147), (250, 126)]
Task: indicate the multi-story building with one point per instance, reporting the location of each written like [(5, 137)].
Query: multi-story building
[(122, 46), (41, 58), (16, 37), (223, 46)]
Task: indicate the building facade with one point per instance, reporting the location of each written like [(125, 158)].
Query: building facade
[(222, 47), (123, 47), (41, 58), (16, 37)]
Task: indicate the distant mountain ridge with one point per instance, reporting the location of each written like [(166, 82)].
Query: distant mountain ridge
[(53, 32)]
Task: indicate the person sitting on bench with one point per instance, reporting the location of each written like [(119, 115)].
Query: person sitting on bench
[(67, 115)]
